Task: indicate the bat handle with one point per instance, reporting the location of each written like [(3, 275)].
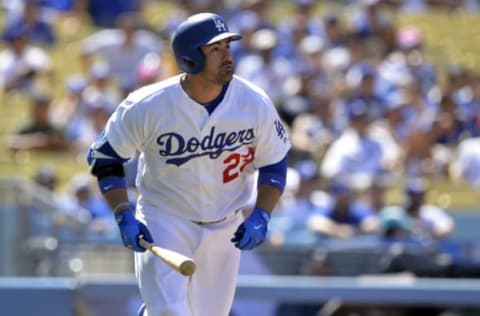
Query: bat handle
[(145, 244), (178, 262)]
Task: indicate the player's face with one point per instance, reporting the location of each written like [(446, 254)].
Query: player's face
[(218, 62)]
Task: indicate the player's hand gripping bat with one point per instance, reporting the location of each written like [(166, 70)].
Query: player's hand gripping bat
[(176, 261)]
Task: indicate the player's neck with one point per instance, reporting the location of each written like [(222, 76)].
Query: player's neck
[(200, 90)]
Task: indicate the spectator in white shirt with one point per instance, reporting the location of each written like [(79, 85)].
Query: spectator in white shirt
[(355, 155), (391, 132), (466, 164), (101, 89), (122, 48), (21, 63), (263, 67)]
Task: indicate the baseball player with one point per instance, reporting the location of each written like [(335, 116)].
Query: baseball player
[(201, 136)]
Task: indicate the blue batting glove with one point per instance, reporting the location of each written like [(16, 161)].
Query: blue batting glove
[(253, 231), (131, 230)]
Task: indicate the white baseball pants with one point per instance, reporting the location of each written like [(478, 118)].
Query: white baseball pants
[(210, 290)]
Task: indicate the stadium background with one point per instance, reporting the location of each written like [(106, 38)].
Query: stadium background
[(92, 276)]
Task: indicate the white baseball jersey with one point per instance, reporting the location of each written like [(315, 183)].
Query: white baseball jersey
[(352, 157), (32, 58), (195, 165)]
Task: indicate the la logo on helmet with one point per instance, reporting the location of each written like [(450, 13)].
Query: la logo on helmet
[(220, 25)]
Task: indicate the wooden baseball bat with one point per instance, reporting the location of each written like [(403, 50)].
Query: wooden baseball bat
[(176, 261)]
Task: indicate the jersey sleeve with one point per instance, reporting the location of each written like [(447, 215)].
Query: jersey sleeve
[(125, 129), (272, 142)]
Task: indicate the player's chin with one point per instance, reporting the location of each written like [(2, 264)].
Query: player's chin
[(226, 70), (225, 77)]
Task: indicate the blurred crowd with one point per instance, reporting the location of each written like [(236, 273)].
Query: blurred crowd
[(365, 108)]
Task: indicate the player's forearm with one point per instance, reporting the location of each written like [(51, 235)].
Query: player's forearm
[(117, 199), (267, 197)]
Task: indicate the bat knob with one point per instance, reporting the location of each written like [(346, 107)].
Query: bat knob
[(187, 268)]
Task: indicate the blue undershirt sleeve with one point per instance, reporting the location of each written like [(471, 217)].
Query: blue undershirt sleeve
[(275, 174)]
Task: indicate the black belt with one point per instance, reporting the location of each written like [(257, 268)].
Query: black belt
[(218, 220)]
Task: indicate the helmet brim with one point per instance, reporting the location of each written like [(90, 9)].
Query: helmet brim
[(222, 36)]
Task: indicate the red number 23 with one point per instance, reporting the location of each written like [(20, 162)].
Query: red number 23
[(236, 163)]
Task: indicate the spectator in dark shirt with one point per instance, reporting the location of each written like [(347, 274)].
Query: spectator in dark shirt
[(40, 133), (104, 13), (344, 215), (38, 31)]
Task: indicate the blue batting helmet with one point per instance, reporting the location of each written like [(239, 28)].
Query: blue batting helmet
[(198, 30)]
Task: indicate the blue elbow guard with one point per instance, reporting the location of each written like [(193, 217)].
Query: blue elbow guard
[(101, 153), (106, 165), (275, 174)]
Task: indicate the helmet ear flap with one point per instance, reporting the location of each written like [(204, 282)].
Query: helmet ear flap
[(192, 62), (187, 62)]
